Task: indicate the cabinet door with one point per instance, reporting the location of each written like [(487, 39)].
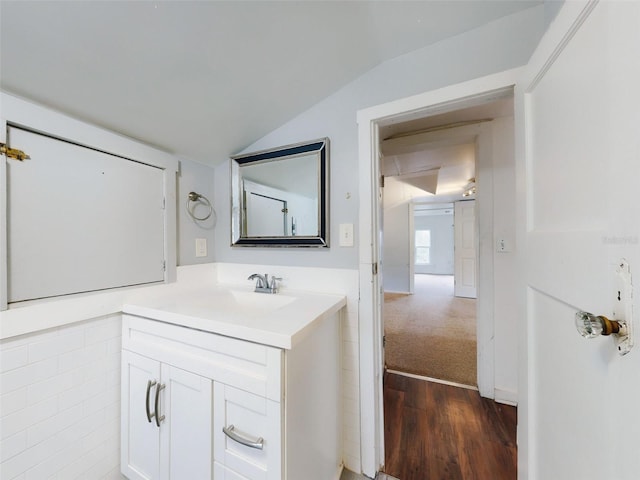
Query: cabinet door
[(186, 431), (249, 419), (140, 440)]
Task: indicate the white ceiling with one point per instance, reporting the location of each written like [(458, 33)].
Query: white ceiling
[(428, 144), (205, 79)]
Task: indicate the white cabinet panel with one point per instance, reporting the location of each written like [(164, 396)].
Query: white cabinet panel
[(245, 365), (166, 421), (185, 434), (140, 446), (255, 419), (80, 220)]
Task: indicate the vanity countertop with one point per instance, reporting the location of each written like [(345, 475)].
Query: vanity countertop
[(278, 320)]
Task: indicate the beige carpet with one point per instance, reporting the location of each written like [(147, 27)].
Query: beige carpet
[(431, 333)]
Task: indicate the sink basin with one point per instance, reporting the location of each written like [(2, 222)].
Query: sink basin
[(231, 303), (261, 302)]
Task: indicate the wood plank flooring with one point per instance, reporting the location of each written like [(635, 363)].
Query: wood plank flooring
[(439, 432)]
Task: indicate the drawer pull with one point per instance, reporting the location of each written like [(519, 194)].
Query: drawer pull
[(150, 415), (236, 437), (159, 417)]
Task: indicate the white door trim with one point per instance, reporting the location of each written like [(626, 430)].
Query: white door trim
[(370, 326), (412, 248)]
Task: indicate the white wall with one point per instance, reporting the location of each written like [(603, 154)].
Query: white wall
[(60, 402), (397, 244), (504, 264), (441, 250), (497, 46), (195, 177)]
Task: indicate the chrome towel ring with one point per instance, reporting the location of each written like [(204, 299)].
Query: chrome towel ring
[(192, 199)]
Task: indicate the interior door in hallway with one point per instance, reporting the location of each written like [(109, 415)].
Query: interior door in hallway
[(581, 109), (465, 253)]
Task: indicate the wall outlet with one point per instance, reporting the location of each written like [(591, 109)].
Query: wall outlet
[(201, 247)]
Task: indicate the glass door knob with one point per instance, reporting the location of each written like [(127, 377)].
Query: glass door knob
[(591, 326)]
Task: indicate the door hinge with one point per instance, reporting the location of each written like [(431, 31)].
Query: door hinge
[(164, 265), (164, 203), (381, 181), (13, 153), (374, 268), (384, 341)]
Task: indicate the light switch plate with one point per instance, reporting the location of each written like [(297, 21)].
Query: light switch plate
[(346, 235), (201, 247), (503, 245)]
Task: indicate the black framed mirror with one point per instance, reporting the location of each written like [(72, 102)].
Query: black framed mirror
[(280, 196)]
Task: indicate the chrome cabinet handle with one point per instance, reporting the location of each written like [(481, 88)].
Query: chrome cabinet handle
[(159, 418), (150, 415), (236, 437)]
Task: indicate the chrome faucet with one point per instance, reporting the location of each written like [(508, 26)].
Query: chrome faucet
[(263, 285)]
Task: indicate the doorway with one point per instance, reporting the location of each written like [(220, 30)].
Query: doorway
[(431, 332), (371, 121), (429, 254)]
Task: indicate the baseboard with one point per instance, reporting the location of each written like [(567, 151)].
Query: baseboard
[(507, 397)]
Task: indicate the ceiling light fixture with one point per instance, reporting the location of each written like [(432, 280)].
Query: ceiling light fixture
[(470, 188)]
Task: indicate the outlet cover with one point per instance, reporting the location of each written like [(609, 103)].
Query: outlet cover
[(201, 247)]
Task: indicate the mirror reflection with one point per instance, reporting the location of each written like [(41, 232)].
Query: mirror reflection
[(280, 196)]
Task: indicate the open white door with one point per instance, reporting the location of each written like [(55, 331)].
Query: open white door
[(465, 251), (582, 120)]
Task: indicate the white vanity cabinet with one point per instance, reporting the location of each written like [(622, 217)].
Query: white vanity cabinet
[(168, 413), (198, 405)]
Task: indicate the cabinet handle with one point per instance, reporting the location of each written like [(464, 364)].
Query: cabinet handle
[(236, 437), (159, 418), (150, 415)]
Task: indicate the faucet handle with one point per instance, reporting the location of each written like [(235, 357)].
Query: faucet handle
[(273, 285)]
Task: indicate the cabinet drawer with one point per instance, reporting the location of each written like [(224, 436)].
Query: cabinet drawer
[(248, 366), (252, 419)]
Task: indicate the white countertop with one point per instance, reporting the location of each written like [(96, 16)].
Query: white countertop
[(279, 320)]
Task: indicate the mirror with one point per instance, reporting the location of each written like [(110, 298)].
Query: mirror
[(280, 197)]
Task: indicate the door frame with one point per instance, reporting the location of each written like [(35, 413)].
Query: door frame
[(412, 248), (449, 98)]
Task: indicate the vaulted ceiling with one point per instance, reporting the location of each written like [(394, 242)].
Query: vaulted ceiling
[(205, 79)]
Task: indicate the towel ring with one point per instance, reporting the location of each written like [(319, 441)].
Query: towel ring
[(194, 197)]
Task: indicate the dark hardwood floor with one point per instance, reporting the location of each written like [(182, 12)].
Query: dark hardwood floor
[(439, 432)]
